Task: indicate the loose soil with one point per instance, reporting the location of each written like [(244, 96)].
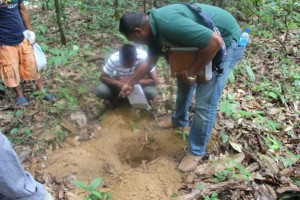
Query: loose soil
[(136, 159)]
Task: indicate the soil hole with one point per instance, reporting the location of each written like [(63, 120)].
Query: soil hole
[(140, 151)]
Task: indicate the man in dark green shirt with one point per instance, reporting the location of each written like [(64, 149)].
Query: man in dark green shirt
[(178, 25)]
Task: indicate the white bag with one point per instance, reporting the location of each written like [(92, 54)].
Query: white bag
[(29, 35), (40, 58)]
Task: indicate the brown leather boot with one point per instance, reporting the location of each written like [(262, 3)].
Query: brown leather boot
[(166, 124), (189, 163)]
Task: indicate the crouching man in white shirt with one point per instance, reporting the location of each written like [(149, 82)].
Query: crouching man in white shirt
[(119, 68)]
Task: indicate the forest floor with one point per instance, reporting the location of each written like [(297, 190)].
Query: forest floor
[(253, 152)]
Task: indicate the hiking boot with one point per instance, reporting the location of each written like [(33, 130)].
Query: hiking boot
[(166, 124), (189, 163)]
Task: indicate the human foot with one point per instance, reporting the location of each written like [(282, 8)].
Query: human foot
[(22, 101)]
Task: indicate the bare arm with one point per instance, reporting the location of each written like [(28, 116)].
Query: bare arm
[(206, 54), (111, 81), (141, 72), (25, 16), (150, 79)]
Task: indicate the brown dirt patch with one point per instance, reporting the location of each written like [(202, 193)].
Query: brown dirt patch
[(135, 159)]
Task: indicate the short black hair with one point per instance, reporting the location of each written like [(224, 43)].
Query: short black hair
[(128, 52), (129, 21)]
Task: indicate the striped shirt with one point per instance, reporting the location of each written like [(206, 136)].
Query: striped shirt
[(113, 67)]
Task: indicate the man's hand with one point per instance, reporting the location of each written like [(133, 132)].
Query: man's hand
[(184, 77), (126, 90)]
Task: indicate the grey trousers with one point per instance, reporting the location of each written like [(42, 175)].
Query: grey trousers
[(15, 182)]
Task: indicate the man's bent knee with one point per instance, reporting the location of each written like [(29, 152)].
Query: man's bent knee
[(150, 92), (103, 91)]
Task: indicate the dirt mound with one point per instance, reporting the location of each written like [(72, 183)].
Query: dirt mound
[(135, 159)]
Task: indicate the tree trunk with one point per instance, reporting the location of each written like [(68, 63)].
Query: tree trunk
[(218, 3), (145, 2), (58, 20), (45, 5), (116, 10)]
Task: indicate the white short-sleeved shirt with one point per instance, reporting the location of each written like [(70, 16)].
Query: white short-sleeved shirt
[(114, 68)]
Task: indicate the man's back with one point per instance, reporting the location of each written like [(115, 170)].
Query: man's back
[(178, 25)]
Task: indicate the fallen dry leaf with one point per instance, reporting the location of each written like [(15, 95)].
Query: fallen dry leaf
[(269, 163), (274, 111), (237, 147), (289, 128), (69, 126)]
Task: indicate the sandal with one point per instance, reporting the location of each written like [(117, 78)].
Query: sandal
[(22, 101), (49, 97)]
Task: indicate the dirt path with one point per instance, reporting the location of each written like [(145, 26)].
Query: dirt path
[(136, 159)]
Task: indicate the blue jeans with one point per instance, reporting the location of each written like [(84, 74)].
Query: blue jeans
[(15, 182), (207, 95)]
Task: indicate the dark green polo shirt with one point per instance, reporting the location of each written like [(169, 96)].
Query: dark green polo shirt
[(178, 25)]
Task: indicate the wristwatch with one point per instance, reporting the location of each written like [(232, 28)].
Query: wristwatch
[(190, 78)]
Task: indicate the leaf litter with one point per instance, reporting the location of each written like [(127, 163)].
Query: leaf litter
[(260, 159)]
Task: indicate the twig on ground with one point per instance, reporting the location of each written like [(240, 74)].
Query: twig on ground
[(153, 161), (224, 186)]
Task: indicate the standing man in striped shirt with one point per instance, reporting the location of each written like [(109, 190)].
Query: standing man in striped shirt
[(119, 68)]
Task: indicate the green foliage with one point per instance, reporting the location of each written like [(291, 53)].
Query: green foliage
[(243, 69), (214, 196), (133, 126), (20, 134), (296, 180), (250, 73), (2, 87), (62, 135), (83, 89), (60, 56), (287, 158), (18, 113), (92, 190), (221, 176), (200, 186), (291, 85), (14, 131), (271, 13), (70, 101), (273, 143), (265, 124), (231, 172), (270, 91), (242, 171), (182, 132), (224, 137), (174, 195), (229, 106)]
